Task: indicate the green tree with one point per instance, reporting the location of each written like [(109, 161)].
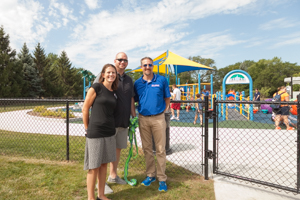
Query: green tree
[(11, 77), (69, 77), (41, 62), (134, 75), (32, 82), (51, 77), (271, 73)]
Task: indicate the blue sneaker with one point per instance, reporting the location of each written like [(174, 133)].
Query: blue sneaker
[(162, 186), (148, 181)]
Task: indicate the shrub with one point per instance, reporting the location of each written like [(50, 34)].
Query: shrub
[(39, 109), (47, 113)]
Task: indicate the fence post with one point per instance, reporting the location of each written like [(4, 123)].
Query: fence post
[(67, 131), (214, 136), (206, 138), (298, 143)]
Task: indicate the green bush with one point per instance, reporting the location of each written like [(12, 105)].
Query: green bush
[(47, 113), (39, 109)]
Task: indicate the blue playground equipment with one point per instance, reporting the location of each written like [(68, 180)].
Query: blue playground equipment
[(86, 74), (237, 77)]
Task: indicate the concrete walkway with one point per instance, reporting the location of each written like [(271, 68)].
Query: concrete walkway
[(183, 143)]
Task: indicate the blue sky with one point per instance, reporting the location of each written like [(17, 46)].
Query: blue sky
[(93, 31)]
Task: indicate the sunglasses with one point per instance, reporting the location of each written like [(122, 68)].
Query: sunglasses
[(150, 65), (121, 60)]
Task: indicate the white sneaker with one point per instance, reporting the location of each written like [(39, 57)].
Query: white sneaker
[(107, 189), (177, 118), (173, 117)]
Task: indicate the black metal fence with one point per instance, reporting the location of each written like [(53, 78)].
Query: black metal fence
[(25, 133), (249, 148), (240, 143)]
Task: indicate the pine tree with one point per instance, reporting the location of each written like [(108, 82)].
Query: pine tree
[(68, 76), (32, 82), (41, 62), (51, 75), (11, 78)]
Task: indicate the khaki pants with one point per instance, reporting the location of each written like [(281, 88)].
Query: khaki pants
[(154, 126)]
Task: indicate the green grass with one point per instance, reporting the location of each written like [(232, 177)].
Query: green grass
[(30, 179), (52, 147), (34, 166), (244, 125), (30, 105)]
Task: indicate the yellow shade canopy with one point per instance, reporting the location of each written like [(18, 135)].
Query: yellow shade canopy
[(169, 61)]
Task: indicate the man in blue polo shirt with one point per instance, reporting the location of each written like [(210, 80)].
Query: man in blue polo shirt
[(153, 96)]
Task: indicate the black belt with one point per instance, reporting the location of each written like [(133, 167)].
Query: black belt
[(153, 115)]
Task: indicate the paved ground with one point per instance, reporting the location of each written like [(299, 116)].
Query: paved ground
[(184, 141)]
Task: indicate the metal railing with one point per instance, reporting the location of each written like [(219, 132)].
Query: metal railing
[(249, 150), (28, 134)]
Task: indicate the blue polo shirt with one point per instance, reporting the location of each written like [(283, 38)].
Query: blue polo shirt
[(151, 95)]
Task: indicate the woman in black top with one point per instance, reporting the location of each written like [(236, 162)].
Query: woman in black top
[(100, 146)]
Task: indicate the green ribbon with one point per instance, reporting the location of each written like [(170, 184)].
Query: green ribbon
[(131, 134)]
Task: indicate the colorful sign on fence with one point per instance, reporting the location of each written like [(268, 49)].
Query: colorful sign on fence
[(237, 78)]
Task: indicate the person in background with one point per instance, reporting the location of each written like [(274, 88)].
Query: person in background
[(231, 91), (153, 95), (171, 98), (100, 147), (187, 107), (199, 108), (281, 121), (207, 93), (283, 109), (175, 106), (125, 107), (257, 97)]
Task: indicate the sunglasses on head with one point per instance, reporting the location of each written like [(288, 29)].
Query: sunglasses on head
[(121, 60), (150, 65)]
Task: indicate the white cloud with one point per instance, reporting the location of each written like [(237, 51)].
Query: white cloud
[(24, 22), (209, 45), (141, 29), (291, 39), (279, 24), (92, 4), (61, 12)]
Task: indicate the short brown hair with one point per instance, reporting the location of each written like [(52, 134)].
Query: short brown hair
[(101, 79), (145, 59)]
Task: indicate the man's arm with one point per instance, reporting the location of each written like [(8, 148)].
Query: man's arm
[(167, 100), (133, 114), (174, 96)]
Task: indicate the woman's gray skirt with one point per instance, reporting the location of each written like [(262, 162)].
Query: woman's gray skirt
[(99, 151)]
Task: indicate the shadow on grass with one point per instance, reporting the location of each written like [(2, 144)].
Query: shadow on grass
[(179, 187)]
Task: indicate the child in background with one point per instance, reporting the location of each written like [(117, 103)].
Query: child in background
[(290, 119), (199, 108)]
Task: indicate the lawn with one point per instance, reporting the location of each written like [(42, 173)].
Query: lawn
[(34, 166)]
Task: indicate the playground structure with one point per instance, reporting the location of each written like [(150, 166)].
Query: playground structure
[(233, 77), (189, 92), (89, 76)]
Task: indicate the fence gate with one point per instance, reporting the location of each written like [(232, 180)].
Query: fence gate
[(254, 151)]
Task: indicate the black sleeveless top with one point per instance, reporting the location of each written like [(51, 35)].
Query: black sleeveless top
[(101, 121)]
